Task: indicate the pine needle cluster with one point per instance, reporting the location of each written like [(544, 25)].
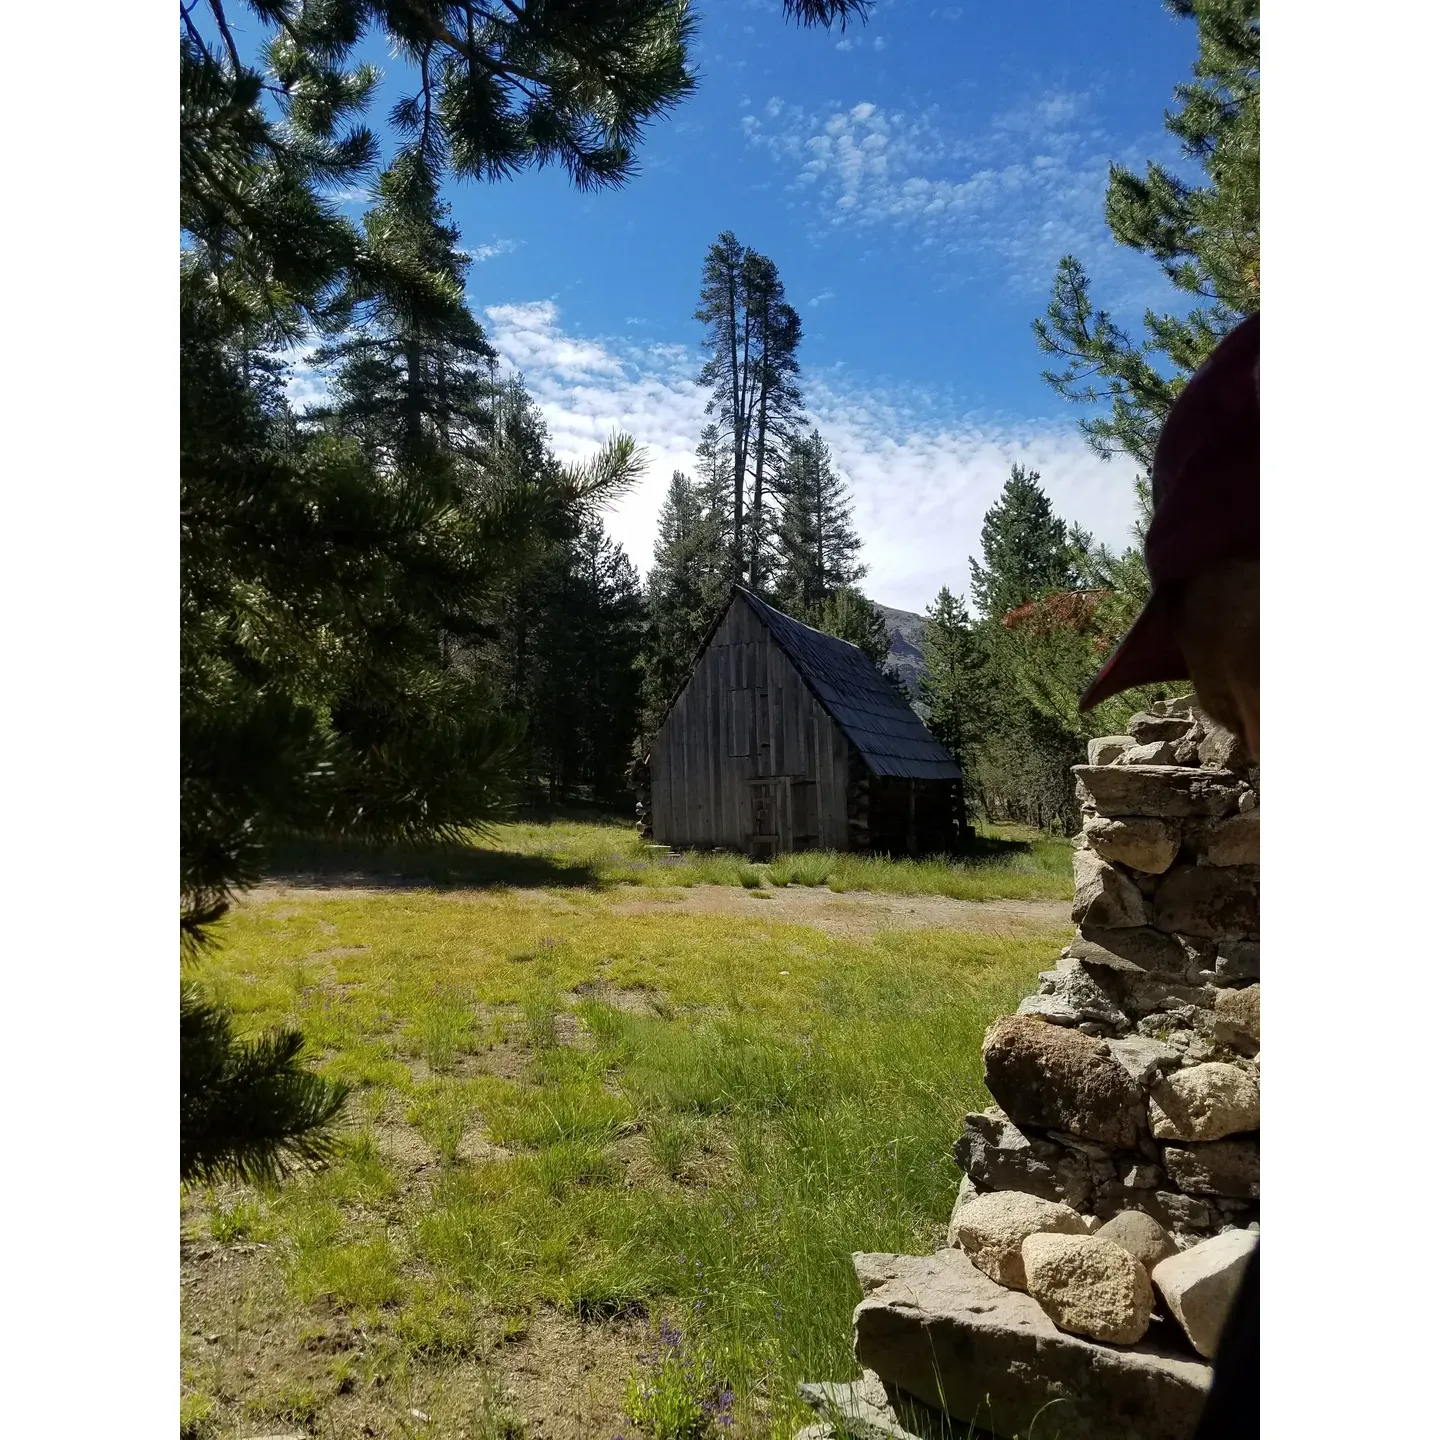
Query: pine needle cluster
[(1205, 237)]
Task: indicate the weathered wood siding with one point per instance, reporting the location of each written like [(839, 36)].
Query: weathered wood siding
[(747, 759)]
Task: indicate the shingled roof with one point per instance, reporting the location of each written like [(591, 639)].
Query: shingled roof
[(870, 710)]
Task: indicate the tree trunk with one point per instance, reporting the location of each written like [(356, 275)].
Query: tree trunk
[(819, 539), (738, 427), (412, 392), (757, 513), (442, 398)]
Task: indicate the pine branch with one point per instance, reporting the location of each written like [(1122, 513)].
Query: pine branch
[(217, 9), (248, 1109)]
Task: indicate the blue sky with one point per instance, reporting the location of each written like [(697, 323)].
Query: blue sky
[(915, 180)]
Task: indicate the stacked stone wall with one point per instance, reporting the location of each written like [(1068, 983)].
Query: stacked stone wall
[(1103, 1222), (1129, 1080)]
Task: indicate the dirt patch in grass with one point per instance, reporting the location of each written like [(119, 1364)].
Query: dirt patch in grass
[(269, 1368), (476, 1147), (404, 1146), (636, 1000), (265, 1366), (855, 915), (335, 951), (567, 1376)]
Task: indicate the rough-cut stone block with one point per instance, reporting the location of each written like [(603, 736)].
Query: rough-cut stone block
[(1236, 1021), (1222, 749), (1200, 1284), (1180, 1214), (964, 1196), (1237, 961), (1157, 752), (998, 1155), (1217, 1167), (1139, 993), (1097, 1156), (1051, 1078), (1142, 842), (1134, 948), (1205, 1102), (1088, 1286), (1186, 705), (1055, 1009), (862, 1410), (1230, 840), (945, 1333), (1142, 1177), (1146, 728), (991, 1229), (1162, 790), (1216, 904), (1107, 749), (1143, 1058), (1147, 995), (1073, 984), (1104, 895), (874, 1269), (1141, 1234)]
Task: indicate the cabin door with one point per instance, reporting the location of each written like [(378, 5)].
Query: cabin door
[(765, 801)]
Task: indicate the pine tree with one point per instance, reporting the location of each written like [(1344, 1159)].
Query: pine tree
[(776, 388), (410, 382), (955, 685), (848, 615), (1206, 238), (1026, 551), (1018, 750), (607, 620), (817, 541), (751, 339), (728, 371), (685, 589), (568, 645)]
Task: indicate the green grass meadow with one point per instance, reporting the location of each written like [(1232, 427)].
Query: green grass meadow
[(1006, 863), (614, 1122)]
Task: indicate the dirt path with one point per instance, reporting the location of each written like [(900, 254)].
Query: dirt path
[(855, 913)]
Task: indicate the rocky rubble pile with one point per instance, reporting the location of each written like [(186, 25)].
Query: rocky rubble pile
[(1111, 1195)]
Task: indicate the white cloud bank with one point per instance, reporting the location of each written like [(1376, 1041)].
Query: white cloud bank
[(1017, 192), (922, 483)]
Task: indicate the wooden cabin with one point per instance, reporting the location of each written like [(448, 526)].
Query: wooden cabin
[(783, 739)]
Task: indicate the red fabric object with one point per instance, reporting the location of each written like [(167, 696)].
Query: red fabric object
[(1206, 486)]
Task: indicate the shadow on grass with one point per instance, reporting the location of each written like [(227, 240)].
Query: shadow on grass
[(349, 865), (581, 854), (992, 847)]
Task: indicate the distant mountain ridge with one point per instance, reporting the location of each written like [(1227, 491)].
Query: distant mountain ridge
[(904, 628)]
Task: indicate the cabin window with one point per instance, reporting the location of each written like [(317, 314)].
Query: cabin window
[(740, 722), (747, 722)]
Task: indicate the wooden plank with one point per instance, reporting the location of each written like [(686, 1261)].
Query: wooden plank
[(705, 762), (835, 770), (662, 785)]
